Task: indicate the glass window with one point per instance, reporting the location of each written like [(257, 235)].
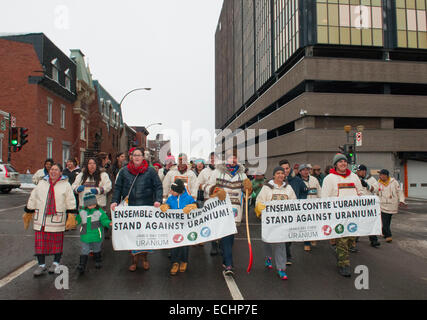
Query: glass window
[(334, 37), (322, 14), (377, 36), (421, 20), (345, 35), (344, 16), (422, 40), (333, 15), (401, 39), (49, 110), (356, 36), (401, 19), (412, 20), (412, 39), (322, 34)]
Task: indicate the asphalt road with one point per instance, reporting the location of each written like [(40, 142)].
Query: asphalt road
[(396, 271)]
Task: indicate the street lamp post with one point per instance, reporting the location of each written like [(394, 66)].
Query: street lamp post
[(137, 89)]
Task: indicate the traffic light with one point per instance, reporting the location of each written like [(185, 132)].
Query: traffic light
[(350, 154), (13, 136), (348, 151), (23, 134)]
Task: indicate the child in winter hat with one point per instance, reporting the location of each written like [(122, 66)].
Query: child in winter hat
[(92, 219), (179, 199)]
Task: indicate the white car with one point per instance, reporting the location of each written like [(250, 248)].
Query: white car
[(9, 178)]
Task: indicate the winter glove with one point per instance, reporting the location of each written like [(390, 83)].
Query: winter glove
[(94, 191), (189, 207), (80, 188), (247, 185), (364, 184), (71, 222), (27, 217), (259, 208), (219, 193), (164, 207)]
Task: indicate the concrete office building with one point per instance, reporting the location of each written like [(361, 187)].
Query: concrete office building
[(305, 69)]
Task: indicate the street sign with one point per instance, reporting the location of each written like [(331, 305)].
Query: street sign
[(358, 139), (12, 122)]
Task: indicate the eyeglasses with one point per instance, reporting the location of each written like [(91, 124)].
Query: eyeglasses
[(137, 155)]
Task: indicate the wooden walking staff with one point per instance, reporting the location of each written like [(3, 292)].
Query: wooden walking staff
[(249, 236)]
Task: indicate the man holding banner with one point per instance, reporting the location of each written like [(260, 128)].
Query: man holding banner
[(229, 178), (341, 182)]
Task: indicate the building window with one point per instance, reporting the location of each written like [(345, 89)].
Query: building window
[(49, 110), (63, 109), (286, 30), (55, 70), (350, 22), (68, 79), (411, 24), (65, 153), (82, 129), (49, 148)]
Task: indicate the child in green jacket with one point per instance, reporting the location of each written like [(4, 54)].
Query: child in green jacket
[(92, 219)]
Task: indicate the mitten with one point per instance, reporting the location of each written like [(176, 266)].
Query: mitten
[(27, 217), (189, 207), (364, 184), (80, 188), (247, 185), (164, 207), (71, 222), (259, 208), (219, 193)]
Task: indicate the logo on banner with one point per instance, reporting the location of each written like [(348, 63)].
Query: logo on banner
[(178, 238), (205, 232), (192, 236), (235, 212), (339, 228), (352, 227), (327, 230)]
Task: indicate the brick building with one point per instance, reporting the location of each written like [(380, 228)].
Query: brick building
[(38, 87), (68, 114)]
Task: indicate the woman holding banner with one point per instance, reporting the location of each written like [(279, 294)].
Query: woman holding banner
[(138, 184), (276, 189)]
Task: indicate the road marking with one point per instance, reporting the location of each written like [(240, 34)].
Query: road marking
[(11, 276), (232, 286), (8, 209)]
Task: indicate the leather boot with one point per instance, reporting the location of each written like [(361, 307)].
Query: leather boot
[(144, 259), (134, 262), (98, 260), (82, 265)]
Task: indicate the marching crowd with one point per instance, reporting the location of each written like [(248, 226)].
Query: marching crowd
[(66, 198)]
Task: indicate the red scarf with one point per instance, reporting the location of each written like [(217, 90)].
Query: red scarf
[(137, 170), (182, 168), (51, 205), (347, 173)]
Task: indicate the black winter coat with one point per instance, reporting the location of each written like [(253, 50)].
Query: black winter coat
[(146, 190)]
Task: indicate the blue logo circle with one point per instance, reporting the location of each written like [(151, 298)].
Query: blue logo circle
[(352, 227), (235, 212), (206, 232)]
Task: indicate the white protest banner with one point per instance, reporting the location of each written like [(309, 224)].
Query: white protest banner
[(148, 228), (319, 219)]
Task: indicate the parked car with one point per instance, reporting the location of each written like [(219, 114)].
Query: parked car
[(9, 178)]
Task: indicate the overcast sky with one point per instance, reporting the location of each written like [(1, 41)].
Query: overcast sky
[(167, 45)]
